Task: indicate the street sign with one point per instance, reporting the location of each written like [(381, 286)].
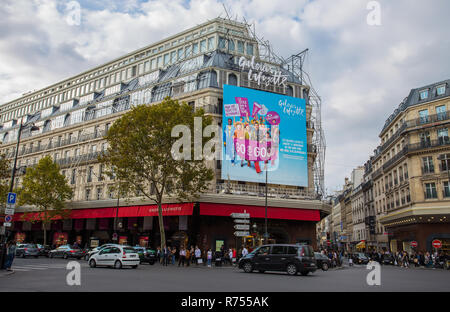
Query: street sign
[(240, 215), (242, 227), (246, 221), (12, 198), (6, 224), (414, 244), (114, 236), (8, 218), (436, 243), (9, 211), (241, 233)]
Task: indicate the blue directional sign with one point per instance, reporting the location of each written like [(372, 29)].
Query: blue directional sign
[(12, 198)]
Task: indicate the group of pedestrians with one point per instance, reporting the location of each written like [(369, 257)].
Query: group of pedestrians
[(187, 256), (334, 256)]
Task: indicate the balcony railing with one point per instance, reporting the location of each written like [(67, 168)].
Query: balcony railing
[(427, 120), (259, 191), (51, 145)]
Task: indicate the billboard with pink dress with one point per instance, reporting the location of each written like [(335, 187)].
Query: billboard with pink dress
[(264, 131)]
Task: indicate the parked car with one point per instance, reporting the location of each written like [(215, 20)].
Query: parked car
[(322, 261), (146, 254), (115, 256), (360, 258), (67, 251), (43, 250), (280, 257), (388, 259), (27, 250), (96, 250)]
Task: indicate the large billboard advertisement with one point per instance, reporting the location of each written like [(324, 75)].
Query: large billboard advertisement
[(263, 131)]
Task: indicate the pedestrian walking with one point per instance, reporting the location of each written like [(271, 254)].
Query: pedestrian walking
[(10, 254), (198, 255), (187, 256), (230, 256), (166, 253), (182, 256), (173, 253), (209, 257), (244, 252)]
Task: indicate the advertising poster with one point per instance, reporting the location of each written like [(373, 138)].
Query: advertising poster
[(263, 131)]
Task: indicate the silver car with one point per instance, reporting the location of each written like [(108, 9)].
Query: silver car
[(27, 250)]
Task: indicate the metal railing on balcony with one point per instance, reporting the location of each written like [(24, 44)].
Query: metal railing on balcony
[(427, 119), (62, 143), (259, 191)]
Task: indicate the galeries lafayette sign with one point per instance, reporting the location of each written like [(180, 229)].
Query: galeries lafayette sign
[(262, 73)]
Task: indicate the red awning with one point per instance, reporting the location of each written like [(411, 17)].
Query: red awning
[(211, 209), (184, 209)]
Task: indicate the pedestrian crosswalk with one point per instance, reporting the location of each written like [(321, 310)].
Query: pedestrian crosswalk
[(36, 267)]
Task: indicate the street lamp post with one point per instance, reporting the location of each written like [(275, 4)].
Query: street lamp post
[(11, 185), (266, 235)]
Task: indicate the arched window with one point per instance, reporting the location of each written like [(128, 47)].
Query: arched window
[(232, 80), (214, 79)]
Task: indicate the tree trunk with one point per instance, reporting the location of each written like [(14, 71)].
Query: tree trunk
[(161, 223), (44, 228)]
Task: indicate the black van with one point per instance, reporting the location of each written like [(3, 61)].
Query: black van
[(280, 257)]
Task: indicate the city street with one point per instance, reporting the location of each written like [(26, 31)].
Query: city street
[(50, 275)]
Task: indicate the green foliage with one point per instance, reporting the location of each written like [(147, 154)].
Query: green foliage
[(5, 176), (47, 189), (139, 153)]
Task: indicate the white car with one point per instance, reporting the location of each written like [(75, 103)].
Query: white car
[(96, 250), (115, 256)]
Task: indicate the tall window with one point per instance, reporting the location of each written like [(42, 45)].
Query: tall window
[(211, 43), (249, 49), (195, 48), (440, 112), (423, 115), (446, 189), (240, 47), (425, 139), (231, 45), (445, 162), (443, 136), (222, 44), (72, 180), (428, 166), (430, 190), (203, 46)]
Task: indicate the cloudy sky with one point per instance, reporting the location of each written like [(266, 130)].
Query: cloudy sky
[(361, 71)]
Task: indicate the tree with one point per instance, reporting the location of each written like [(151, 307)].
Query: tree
[(47, 189), (5, 178), (139, 154)]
